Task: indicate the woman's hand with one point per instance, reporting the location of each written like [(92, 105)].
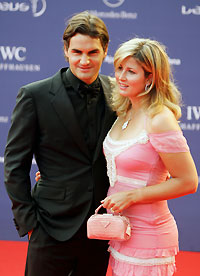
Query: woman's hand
[(37, 175), (120, 201)]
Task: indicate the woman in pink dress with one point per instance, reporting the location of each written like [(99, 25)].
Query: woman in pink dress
[(143, 147)]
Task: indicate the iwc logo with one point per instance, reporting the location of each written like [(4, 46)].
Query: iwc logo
[(113, 3)]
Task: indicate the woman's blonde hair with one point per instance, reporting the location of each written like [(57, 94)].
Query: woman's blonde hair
[(162, 91)]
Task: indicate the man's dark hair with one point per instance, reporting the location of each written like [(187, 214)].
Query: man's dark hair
[(86, 24)]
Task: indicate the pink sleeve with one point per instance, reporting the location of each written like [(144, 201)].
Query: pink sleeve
[(169, 142)]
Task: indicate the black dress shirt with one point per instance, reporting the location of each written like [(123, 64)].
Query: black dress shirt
[(88, 105)]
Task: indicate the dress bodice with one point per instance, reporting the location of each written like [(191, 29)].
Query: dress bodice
[(136, 161)]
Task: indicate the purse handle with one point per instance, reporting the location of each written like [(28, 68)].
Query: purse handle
[(119, 214), (100, 206)]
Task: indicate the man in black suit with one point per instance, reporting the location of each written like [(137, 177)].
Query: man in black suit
[(62, 121)]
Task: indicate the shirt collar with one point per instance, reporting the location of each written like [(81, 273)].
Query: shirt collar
[(76, 82)]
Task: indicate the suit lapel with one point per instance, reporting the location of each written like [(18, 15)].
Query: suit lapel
[(109, 115), (65, 111)]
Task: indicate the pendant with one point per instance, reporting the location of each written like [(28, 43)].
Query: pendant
[(124, 126)]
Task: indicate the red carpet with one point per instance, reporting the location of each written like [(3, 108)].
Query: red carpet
[(13, 255)]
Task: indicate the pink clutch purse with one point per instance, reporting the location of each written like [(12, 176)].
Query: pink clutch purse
[(108, 227)]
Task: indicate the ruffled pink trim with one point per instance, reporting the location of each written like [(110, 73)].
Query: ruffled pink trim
[(145, 252), (126, 269), (171, 141)]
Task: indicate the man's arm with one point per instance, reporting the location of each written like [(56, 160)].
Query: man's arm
[(18, 159)]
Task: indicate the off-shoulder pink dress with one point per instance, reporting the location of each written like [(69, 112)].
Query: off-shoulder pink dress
[(133, 164)]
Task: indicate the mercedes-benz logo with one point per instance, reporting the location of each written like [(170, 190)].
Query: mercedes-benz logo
[(113, 3)]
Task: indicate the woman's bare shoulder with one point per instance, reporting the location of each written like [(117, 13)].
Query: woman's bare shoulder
[(163, 122)]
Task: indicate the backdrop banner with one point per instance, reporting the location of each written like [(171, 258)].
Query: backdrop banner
[(31, 49)]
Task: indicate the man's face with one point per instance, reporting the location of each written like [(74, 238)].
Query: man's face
[(85, 55)]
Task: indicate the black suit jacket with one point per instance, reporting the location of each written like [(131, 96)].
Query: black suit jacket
[(44, 124)]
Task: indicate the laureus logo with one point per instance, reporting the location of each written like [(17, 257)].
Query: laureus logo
[(38, 7), (113, 3)]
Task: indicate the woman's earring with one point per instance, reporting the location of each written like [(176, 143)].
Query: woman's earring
[(146, 87)]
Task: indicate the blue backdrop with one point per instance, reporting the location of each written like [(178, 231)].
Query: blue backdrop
[(31, 49)]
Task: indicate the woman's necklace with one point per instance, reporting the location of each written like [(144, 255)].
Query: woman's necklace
[(125, 124)]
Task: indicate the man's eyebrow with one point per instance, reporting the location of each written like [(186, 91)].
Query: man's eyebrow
[(94, 50), (76, 50), (90, 51)]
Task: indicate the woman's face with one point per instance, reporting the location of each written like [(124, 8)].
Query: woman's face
[(130, 78)]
